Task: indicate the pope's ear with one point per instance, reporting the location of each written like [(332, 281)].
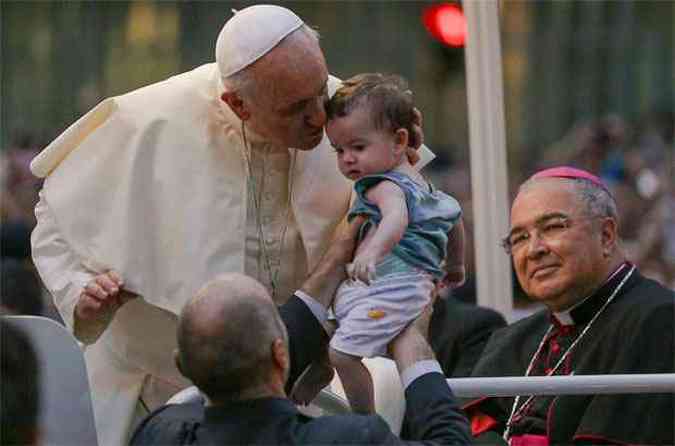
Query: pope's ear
[(236, 104)]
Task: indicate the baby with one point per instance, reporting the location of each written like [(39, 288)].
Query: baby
[(413, 236)]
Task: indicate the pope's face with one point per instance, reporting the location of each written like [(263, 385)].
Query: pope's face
[(288, 107), (556, 248)]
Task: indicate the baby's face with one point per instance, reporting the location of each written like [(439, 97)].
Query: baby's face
[(361, 148)]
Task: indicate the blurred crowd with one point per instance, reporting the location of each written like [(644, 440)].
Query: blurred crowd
[(635, 159), (637, 162), (21, 289)]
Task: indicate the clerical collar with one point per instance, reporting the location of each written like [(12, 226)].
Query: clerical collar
[(583, 311)]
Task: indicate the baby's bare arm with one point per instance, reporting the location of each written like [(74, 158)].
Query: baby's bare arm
[(390, 199)]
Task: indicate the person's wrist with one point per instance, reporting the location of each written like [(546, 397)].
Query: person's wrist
[(322, 282), (418, 369)]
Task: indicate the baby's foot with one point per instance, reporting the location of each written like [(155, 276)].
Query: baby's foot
[(317, 376)]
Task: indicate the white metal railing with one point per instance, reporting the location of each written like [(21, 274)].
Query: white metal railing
[(563, 385), (535, 385), (511, 386)]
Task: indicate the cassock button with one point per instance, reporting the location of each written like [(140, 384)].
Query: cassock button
[(555, 347)]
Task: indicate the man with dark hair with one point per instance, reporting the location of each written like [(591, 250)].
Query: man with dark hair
[(20, 291), (602, 317), (244, 354), (20, 388)]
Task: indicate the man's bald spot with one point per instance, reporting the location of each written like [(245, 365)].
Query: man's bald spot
[(222, 299), (225, 336)]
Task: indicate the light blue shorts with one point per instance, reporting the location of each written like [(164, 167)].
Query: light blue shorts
[(369, 317)]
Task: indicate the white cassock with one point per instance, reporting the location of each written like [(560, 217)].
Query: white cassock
[(153, 184)]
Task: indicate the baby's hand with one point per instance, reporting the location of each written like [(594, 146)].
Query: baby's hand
[(362, 268)]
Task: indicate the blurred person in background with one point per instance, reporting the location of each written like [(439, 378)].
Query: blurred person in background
[(651, 166), (19, 186), (19, 377), (20, 289), (19, 191)]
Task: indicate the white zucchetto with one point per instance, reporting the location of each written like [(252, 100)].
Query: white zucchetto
[(250, 34)]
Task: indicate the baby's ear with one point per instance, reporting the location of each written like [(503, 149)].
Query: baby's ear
[(401, 140)]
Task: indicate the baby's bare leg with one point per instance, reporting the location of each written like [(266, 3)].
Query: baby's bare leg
[(356, 380)]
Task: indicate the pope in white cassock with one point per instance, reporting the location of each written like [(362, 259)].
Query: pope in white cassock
[(153, 193)]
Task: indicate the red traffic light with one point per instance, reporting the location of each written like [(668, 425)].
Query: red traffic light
[(446, 23)]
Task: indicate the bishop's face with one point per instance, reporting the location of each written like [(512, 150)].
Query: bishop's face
[(288, 107), (557, 248)]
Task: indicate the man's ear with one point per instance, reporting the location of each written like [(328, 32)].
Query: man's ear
[(280, 354), (609, 234), (176, 360), (236, 104), (401, 137)]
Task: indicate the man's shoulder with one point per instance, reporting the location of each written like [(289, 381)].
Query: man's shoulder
[(644, 298), (509, 346), (344, 429), (651, 292), (193, 411), (197, 84), (169, 425)]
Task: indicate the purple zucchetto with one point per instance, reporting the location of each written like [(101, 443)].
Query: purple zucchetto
[(571, 173)]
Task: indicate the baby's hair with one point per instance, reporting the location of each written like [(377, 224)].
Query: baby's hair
[(387, 95)]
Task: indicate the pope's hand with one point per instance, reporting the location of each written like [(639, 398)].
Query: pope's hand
[(102, 294)]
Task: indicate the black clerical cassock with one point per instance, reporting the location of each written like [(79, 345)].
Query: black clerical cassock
[(625, 327)]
